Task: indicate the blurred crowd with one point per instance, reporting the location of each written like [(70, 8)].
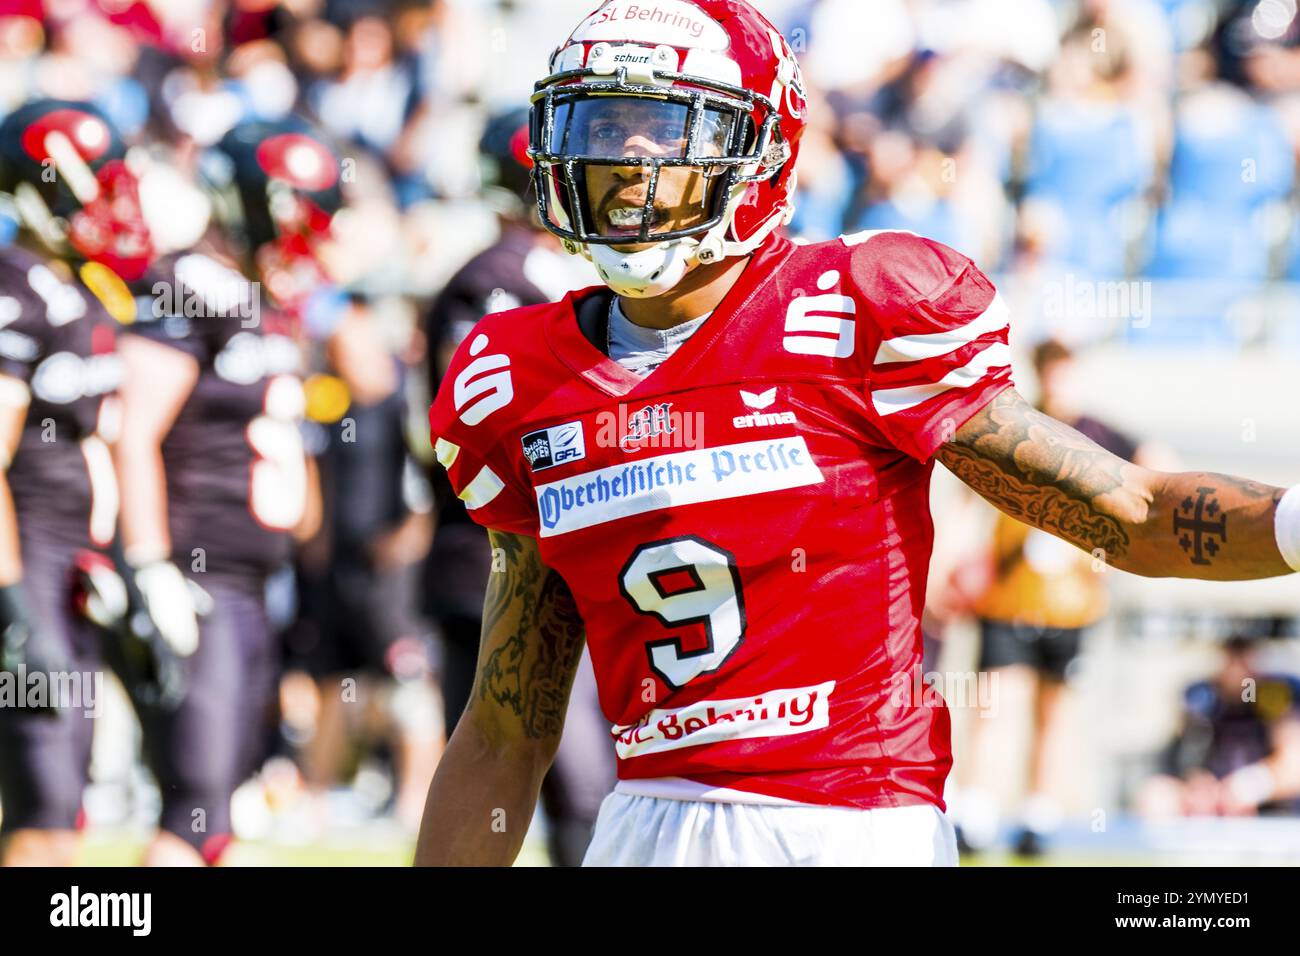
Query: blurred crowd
[(1150, 138), (1087, 146)]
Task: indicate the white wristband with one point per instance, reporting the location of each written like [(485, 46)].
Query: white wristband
[(1286, 527), (1252, 784)]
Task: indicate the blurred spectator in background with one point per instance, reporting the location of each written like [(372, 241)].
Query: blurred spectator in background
[(1237, 752), (826, 177), (370, 100), (358, 632), (1041, 597), (1092, 156), (1258, 45)]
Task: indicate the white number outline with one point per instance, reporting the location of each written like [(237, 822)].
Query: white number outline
[(716, 644)]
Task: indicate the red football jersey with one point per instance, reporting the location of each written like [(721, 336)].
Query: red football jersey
[(746, 530)]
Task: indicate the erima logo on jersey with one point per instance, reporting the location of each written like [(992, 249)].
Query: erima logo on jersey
[(760, 401), (774, 713), (758, 420), (558, 445), (669, 481)]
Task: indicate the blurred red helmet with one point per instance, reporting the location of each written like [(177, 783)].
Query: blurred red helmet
[(62, 161), (283, 181)]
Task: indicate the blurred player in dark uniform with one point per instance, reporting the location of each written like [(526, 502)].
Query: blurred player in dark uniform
[(80, 227), (526, 266), (1237, 751), (358, 577), (214, 473)]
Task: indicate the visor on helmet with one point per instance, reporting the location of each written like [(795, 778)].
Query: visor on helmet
[(619, 127), (603, 122)]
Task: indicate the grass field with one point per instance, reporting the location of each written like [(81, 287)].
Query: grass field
[(125, 850), (122, 849), (384, 845)]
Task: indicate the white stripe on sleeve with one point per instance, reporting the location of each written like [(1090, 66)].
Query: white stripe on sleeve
[(893, 400), (912, 348), (482, 491)]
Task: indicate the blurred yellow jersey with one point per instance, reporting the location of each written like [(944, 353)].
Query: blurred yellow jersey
[(1041, 580)]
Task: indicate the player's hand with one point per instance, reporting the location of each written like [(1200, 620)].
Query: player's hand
[(108, 596), (25, 647), (1242, 791), (170, 602)]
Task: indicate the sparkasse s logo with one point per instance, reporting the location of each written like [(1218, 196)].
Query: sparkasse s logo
[(484, 386), (824, 324)]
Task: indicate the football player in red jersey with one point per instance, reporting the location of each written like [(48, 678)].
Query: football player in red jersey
[(716, 471)]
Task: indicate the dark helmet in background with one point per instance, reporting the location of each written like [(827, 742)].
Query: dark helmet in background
[(505, 166), (278, 186), (63, 163)]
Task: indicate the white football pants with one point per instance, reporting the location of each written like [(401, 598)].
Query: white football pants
[(657, 831)]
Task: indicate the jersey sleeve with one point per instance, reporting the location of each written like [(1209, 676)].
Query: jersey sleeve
[(470, 427), (22, 344), (937, 350), (35, 306)]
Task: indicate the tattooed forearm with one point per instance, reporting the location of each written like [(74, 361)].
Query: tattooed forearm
[(1221, 525), (532, 639), (1046, 474)]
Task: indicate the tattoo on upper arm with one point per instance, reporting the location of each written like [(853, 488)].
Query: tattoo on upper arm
[(1042, 472), (532, 619)]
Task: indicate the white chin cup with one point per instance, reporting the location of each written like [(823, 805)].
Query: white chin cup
[(644, 274)]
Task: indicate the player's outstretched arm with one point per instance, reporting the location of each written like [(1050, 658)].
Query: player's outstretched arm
[(1157, 524), (482, 797)]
